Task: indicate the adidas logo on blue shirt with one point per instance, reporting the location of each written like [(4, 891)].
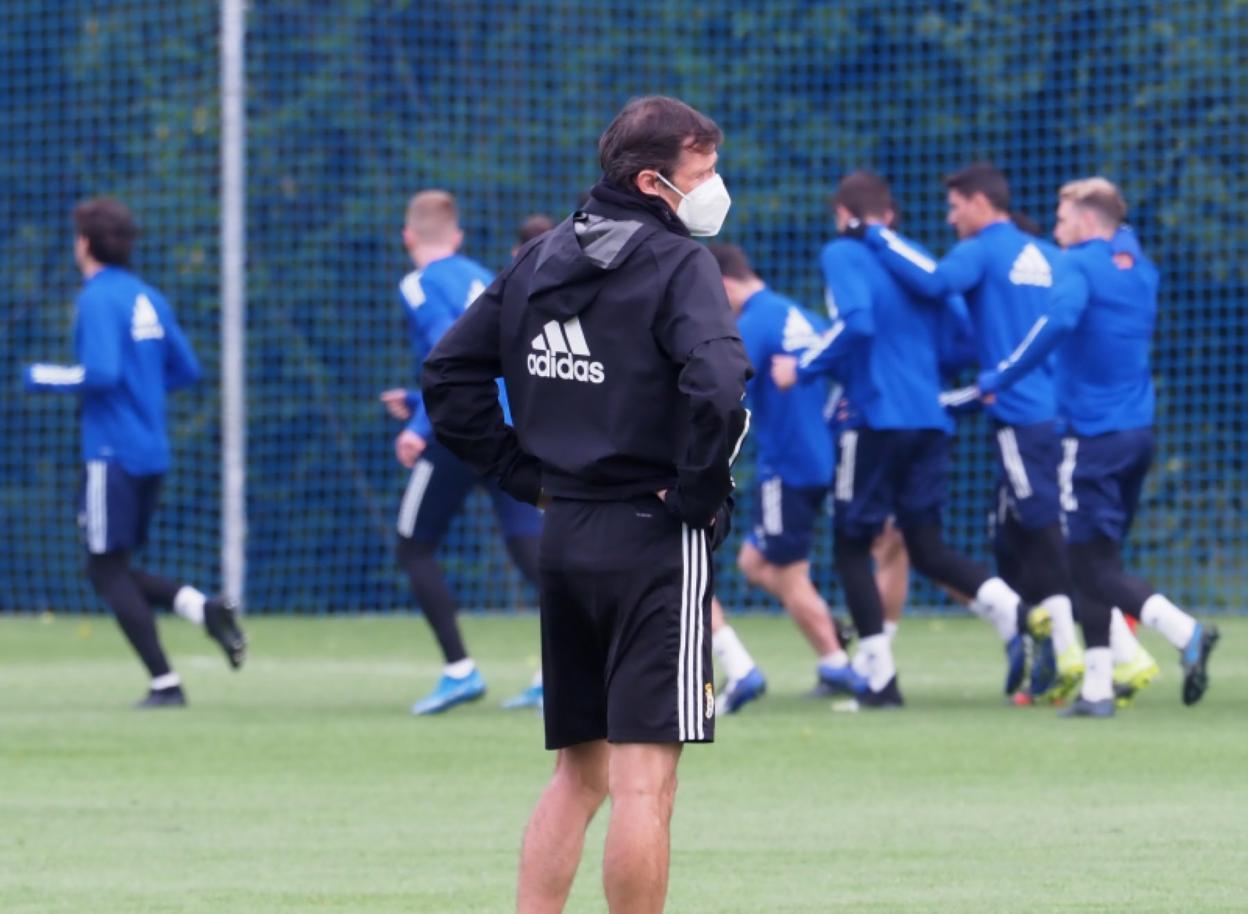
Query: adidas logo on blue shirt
[(1031, 268), (561, 353), (144, 322)]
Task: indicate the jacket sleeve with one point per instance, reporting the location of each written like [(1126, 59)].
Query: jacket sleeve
[(461, 399), (961, 269), (97, 336), (181, 367), (694, 326), (1067, 304), (849, 305)]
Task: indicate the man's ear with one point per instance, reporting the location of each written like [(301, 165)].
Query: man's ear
[(648, 182)]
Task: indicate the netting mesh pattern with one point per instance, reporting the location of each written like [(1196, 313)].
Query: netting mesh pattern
[(353, 106)]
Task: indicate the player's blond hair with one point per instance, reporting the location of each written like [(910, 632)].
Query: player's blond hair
[(432, 215), (1100, 195)]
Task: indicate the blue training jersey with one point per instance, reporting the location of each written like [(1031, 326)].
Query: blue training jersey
[(130, 352), (884, 344), (787, 426), (1006, 276), (1104, 308), (433, 299)]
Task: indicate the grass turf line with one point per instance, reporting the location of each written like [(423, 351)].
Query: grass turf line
[(302, 784)]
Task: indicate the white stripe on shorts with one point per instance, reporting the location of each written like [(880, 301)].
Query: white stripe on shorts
[(772, 496), (845, 469), (690, 670), (97, 507), (1015, 469), (1066, 474), (413, 496)]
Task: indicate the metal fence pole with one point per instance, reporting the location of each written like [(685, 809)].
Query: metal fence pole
[(233, 301)]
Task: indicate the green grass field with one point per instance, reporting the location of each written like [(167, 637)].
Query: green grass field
[(302, 784)]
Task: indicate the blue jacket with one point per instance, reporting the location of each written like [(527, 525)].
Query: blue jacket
[(1005, 275), (433, 299), (884, 344), (1101, 325), (130, 352), (788, 426)]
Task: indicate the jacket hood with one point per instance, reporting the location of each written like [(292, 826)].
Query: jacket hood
[(576, 258)]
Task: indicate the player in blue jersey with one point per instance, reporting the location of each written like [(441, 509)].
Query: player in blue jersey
[(893, 456), (1005, 275), (131, 353), (794, 469), (443, 285), (1100, 324)]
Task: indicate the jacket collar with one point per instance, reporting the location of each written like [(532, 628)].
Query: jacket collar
[(609, 199)]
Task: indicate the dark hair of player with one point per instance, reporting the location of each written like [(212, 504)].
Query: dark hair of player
[(532, 226), (1025, 223), (109, 228), (733, 263), (864, 193), (652, 132), (982, 178)]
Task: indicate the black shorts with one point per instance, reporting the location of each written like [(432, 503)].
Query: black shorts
[(115, 509), (626, 625), (882, 473)]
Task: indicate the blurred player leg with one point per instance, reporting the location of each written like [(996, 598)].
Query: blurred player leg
[(1096, 696), (555, 836), (743, 680), (435, 493), (216, 615), (521, 526), (892, 576), (1134, 666), (109, 574)]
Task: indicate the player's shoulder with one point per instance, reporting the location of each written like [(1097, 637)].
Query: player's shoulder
[(844, 252), (412, 290)]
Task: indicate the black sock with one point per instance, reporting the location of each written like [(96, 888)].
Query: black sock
[(932, 558), (853, 566), (156, 590), (1097, 567), (523, 551), (110, 575), (430, 590)]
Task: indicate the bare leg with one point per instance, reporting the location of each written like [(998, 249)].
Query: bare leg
[(643, 789), (717, 615), (791, 585), (556, 833), (892, 571)]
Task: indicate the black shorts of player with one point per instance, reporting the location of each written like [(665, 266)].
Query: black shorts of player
[(784, 518), (1101, 479), (882, 473), (626, 625), (115, 509), (436, 490), (1027, 461)]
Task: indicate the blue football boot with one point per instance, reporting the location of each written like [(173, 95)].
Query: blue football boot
[(1195, 662), (738, 694), (532, 697), (841, 680), (450, 692)]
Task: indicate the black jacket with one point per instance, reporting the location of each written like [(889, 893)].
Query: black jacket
[(624, 370)]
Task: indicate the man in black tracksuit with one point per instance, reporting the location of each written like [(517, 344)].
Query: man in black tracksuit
[(625, 376)]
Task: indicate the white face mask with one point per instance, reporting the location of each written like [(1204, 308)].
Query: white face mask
[(704, 208)]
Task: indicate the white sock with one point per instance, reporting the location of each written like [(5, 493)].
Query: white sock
[(836, 659), (1063, 617), (1175, 625), (999, 605), (167, 681), (731, 654), (879, 660), (1122, 640), (189, 604), (459, 669), (537, 680), (890, 630), (860, 662), (1098, 675)]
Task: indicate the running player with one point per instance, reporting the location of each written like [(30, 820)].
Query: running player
[(443, 285), (131, 353), (1102, 314)]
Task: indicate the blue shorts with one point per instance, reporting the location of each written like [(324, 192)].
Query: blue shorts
[(1027, 461), (784, 520), (436, 491), (1101, 480), (114, 508), (880, 473)]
